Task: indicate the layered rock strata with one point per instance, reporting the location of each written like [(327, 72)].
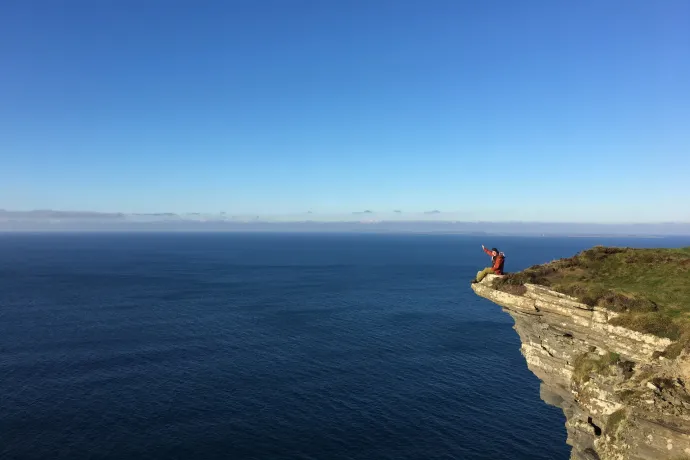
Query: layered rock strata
[(622, 399)]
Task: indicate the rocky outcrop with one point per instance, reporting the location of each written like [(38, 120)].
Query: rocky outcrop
[(621, 398)]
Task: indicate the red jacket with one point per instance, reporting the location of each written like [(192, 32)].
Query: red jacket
[(497, 262)]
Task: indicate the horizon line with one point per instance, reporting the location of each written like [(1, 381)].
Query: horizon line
[(239, 218)]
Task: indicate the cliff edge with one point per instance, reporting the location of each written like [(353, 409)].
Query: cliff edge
[(622, 390)]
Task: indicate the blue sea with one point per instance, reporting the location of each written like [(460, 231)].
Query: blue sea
[(267, 346)]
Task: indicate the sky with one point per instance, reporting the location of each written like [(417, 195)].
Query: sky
[(491, 110)]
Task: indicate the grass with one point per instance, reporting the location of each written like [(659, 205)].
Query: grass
[(585, 365), (627, 395), (658, 324), (614, 422), (675, 349), (650, 288)]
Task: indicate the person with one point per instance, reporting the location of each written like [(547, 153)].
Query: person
[(497, 261)]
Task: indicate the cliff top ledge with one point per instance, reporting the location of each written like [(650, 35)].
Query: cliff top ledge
[(607, 331), (645, 290)]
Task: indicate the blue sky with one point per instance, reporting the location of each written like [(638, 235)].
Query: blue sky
[(493, 110)]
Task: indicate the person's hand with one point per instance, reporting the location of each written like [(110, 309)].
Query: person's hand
[(483, 247)]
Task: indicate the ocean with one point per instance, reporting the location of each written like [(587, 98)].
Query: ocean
[(267, 346)]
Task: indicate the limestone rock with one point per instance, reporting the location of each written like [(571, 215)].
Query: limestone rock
[(620, 401)]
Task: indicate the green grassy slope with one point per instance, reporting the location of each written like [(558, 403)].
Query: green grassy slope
[(649, 287)]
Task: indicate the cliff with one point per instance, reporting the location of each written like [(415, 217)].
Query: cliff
[(621, 397)]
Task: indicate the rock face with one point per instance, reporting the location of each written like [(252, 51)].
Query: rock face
[(622, 400)]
